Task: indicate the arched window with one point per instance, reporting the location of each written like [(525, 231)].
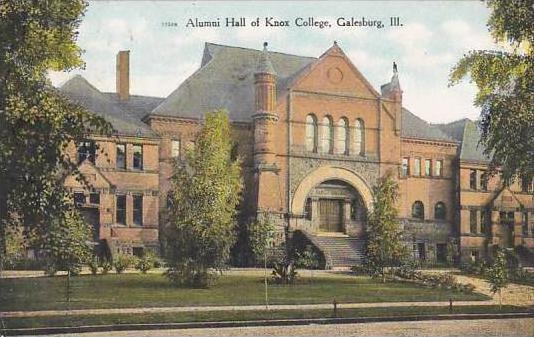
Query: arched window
[(342, 136), (439, 211), (418, 210), (327, 135), (311, 133), (359, 137)]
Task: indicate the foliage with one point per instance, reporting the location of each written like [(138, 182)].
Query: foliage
[(284, 271), (260, 236), (497, 274), (36, 121), (205, 192), (145, 263), (106, 266), (121, 262), (384, 247), (16, 243), (308, 258), (505, 80), (434, 280), (67, 242), (93, 265)]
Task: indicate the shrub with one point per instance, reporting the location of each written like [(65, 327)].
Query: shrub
[(106, 267), (93, 265), (122, 262), (284, 271), (145, 263)]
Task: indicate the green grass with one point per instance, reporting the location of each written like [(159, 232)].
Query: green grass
[(114, 319), (154, 290)]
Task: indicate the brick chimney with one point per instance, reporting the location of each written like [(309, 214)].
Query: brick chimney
[(123, 75)]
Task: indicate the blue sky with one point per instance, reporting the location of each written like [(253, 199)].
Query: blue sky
[(433, 37)]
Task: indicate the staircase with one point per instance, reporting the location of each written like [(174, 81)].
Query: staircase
[(340, 252)]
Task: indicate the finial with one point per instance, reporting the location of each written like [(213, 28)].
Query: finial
[(265, 44), (395, 70), (335, 43)]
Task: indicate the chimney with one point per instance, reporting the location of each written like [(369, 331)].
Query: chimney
[(123, 75)]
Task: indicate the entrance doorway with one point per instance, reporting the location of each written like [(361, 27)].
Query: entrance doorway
[(331, 215)]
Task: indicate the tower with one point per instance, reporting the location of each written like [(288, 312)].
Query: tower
[(265, 119)]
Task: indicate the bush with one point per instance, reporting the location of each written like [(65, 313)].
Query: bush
[(438, 280), (145, 263), (123, 262), (93, 265), (106, 267), (284, 271)]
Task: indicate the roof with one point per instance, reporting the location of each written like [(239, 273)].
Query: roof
[(226, 80), (124, 117), (468, 133), (415, 127)]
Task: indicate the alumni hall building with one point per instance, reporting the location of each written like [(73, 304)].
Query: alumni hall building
[(315, 136)]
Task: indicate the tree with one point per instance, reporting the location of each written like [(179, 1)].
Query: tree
[(205, 192), (260, 236), (497, 274), (67, 242), (384, 247), (505, 80), (36, 122)]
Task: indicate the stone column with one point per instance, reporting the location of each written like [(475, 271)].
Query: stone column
[(346, 216), (315, 214)]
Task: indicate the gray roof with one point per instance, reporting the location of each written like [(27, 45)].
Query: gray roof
[(138, 105), (415, 127), (468, 133), (226, 80), (125, 122)]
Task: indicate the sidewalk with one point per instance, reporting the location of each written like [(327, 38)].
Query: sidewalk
[(44, 313)]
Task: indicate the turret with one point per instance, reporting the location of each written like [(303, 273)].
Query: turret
[(265, 116), (392, 92)]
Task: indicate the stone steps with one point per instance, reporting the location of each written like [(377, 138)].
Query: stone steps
[(340, 252)]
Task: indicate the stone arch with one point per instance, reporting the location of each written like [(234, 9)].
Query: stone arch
[(323, 174)]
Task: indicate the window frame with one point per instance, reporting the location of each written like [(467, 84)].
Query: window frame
[(440, 205), (311, 129), (417, 167), (418, 207), (473, 221), (89, 151), (173, 148), (359, 137), (122, 215), (428, 167), (405, 166), (137, 209), (137, 156), (438, 168), (117, 146)]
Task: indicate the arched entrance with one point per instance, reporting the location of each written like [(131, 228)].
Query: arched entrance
[(332, 200)]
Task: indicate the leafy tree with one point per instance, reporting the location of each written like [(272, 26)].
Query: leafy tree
[(260, 236), (497, 274), (308, 259), (67, 243), (384, 247), (505, 80), (36, 122), (203, 205)]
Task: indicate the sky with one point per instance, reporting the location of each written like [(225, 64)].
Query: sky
[(164, 51)]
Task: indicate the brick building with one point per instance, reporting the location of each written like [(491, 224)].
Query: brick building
[(315, 136)]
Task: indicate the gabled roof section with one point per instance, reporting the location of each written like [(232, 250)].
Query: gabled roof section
[(94, 177), (506, 199), (471, 149), (455, 129), (415, 127), (80, 91), (226, 80)]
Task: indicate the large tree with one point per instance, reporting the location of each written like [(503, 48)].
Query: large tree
[(36, 122), (203, 206), (384, 246), (505, 81)]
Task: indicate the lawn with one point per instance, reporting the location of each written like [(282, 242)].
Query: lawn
[(212, 316), (154, 290)]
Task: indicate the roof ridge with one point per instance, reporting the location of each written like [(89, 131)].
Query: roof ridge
[(258, 50)]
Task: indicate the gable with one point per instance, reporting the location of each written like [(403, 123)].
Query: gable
[(91, 174), (334, 73), (506, 200)]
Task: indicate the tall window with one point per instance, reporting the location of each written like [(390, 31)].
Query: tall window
[(327, 135), (121, 156), (359, 137), (473, 179), (418, 210), (484, 221), (120, 209), (137, 157), (311, 133), (342, 136), (405, 168), (308, 209), (524, 224), (86, 151), (526, 185), (138, 210), (438, 168), (428, 167), (440, 211), (473, 221), (175, 148), (417, 167), (484, 181)]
